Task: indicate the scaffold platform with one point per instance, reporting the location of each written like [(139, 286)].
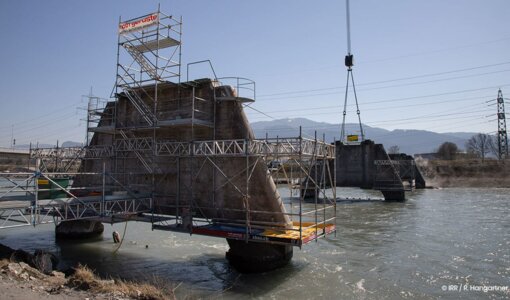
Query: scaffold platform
[(299, 235)]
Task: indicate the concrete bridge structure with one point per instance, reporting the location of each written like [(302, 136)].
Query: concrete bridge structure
[(202, 173), (368, 166)]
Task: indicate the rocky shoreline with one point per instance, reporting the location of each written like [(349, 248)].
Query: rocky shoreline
[(34, 276)]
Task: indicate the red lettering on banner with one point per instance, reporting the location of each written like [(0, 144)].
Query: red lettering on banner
[(147, 21)]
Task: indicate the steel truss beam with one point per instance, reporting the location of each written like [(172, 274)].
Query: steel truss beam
[(62, 158), (300, 153), (22, 204), (287, 147)]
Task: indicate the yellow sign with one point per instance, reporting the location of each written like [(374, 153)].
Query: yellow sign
[(42, 181), (352, 138)]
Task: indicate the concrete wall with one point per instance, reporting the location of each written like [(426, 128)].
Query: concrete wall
[(12, 160), (195, 180), (356, 167)]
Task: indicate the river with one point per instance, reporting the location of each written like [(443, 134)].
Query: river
[(437, 242)]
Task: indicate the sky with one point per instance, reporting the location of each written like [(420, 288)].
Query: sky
[(429, 65)]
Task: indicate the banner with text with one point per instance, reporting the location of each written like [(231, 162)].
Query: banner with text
[(139, 23)]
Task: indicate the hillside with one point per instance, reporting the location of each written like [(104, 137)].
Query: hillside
[(409, 141)]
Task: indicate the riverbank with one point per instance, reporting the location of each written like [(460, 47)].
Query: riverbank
[(466, 173), (20, 280)]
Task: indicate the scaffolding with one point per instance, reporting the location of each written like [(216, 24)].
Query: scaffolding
[(160, 152), (57, 159), (35, 198), (309, 221)]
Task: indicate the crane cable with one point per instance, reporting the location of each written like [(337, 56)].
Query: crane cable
[(349, 60)]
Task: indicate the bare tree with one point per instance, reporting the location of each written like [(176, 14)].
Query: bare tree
[(394, 149), (447, 150), (480, 145)]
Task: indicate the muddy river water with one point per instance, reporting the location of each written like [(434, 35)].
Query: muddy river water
[(441, 243)]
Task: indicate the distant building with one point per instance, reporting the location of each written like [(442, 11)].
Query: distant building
[(429, 156)]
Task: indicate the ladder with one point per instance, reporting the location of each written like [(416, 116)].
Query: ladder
[(145, 64), (141, 106)]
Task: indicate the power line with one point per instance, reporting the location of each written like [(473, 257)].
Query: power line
[(368, 62), (395, 120), (46, 115), (414, 121), (437, 51), (435, 95), (56, 132), (40, 127), (390, 100), (393, 80), (260, 112), (410, 132), (435, 80), (337, 112), (432, 116), (382, 108)]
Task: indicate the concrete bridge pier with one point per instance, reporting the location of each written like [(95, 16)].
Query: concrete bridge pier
[(408, 170), (394, 196), (253, 257), (78, 229), (368, 166)]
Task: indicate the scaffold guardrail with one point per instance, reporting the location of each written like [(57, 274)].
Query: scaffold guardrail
[(23, 200)]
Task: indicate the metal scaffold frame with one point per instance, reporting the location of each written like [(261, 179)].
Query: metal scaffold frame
[(34, 198), (148, 53), (58, 159), (140, 73), (153, 45), (310, 220), (149, 56)]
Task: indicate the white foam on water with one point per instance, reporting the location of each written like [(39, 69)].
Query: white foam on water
[(223, 247), (458, 258), (359, 285), (332, 268)]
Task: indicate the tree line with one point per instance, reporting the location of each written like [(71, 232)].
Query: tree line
[(479, 145)]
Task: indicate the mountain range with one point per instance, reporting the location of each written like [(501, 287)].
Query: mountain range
[(409, 141)]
